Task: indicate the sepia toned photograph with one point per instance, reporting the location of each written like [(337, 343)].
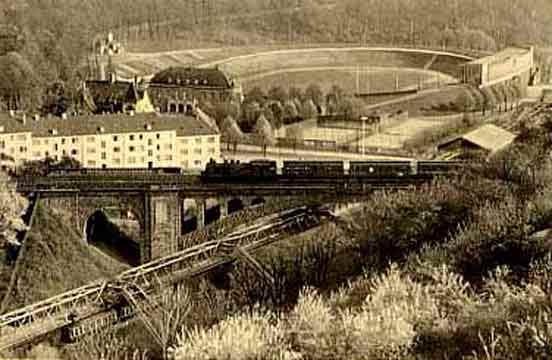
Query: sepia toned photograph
[(276, 179)]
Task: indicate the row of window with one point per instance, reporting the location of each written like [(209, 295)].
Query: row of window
[(74, 152), (115, 139)]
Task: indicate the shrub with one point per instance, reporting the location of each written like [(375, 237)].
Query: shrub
[(246, 336), (395, 224), (497, 236)]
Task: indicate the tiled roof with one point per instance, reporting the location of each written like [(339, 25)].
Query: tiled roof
[(488, 137), (107, 91), (111, 124), (192, 77)]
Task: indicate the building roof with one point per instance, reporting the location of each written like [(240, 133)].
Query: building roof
[(501, 56), (488, 137), (192, 77), (110, 123), (106, 91)]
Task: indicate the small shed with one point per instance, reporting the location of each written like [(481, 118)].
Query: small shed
[(488, 139)]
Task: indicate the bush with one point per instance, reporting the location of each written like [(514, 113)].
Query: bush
[(246, 336), (496, 236), (394, 225)]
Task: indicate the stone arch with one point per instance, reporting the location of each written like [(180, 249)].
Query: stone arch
[(234, 205), (118, 237)]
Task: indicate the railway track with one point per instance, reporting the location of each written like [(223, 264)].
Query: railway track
[(101, 298)]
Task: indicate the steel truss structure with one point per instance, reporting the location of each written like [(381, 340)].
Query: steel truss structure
[(105, 303)]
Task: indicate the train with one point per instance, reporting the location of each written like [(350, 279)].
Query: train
[(59, 171), (267, 170)]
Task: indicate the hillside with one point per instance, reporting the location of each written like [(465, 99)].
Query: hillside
[(56, 260), (458, 269)]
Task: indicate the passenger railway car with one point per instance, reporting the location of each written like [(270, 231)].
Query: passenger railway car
[(315, 169), (380, 169), (264, 170)]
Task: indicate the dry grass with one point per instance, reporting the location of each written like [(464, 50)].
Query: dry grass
[(57, 259)]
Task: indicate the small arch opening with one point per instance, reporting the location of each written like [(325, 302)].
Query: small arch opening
[(258, 201), (189, 216), (212, 211), (235, 205)]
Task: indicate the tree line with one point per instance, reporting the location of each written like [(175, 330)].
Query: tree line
[(45, 43)]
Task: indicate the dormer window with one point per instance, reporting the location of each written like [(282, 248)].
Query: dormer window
[(187, 81), (205, 82), (53, 131), (148, 127), (196, 81), (101, 129), (2, 129)]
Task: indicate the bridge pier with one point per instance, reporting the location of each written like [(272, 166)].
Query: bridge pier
[(163, 225), (223, 203)]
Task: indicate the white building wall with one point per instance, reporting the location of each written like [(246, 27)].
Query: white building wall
[(18, 146), (125, 150)]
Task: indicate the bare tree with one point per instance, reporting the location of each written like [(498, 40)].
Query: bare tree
[(163, 314)]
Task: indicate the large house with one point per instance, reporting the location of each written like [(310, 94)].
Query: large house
[(112, 96), (111, 141), (179, 89)]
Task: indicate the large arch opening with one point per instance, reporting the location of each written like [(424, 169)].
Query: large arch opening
[(212, 211), (117, 235), (189, 216), (235, 205)]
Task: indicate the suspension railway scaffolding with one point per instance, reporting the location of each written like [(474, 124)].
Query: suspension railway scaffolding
[(109, 302)]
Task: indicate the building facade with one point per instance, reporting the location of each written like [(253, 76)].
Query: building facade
[(508, 65), (112, 141), (180, 89)]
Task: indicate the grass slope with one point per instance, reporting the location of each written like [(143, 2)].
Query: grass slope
[(57, 260)]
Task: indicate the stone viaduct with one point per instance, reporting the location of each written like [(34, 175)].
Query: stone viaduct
[(164, 217)]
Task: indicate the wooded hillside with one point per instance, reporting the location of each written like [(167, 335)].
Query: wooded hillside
[(53, 37)]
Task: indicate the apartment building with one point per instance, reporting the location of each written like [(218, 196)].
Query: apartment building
[(112, 141)]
